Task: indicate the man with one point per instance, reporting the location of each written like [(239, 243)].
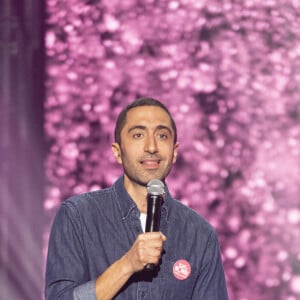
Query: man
[(97, 248)]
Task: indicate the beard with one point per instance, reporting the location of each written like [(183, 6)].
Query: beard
[(140, 176)]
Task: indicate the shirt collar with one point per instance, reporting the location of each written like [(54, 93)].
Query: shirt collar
[(127, 205)]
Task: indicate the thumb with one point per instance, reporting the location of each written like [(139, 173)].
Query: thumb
[(164, 238)]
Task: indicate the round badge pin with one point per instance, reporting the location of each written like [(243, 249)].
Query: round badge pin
[(182, 269)]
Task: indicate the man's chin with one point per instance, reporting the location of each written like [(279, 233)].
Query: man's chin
[(154, 176), (145, 180)]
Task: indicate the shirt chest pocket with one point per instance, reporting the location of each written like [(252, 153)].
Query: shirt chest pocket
[(176, 281)]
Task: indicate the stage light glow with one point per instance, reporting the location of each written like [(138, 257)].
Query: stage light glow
[(229, 72)]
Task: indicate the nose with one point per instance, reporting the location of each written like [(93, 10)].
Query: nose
[(151, 144)]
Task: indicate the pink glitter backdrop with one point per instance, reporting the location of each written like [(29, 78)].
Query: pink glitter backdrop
[(230, 73)]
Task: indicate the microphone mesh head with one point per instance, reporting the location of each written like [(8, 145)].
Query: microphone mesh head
[(156, 187)]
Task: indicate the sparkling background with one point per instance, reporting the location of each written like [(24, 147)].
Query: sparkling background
[(230, 73)]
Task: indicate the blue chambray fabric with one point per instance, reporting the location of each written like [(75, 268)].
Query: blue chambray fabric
[(93, 230)]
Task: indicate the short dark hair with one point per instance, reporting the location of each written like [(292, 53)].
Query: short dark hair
[(144, 101)]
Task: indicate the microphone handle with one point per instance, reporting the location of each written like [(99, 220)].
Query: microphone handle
[(154, 203), (149, 267)]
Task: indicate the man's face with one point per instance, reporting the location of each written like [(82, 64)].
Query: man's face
[(147, 149)]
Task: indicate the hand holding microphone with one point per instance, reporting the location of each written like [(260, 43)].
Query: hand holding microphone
[(148, 246), (155, 189)]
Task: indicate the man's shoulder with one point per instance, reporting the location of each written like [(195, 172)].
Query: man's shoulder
[(191, 217), (183, 209), (90, 199)]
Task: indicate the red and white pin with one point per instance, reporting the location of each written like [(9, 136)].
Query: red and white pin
[(182, 269)]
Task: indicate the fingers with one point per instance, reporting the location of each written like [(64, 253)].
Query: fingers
[(150, 246), (146, 249)]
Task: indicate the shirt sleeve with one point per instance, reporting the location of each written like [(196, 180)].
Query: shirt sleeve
[(211, 284), (66, 269), (85, 291)]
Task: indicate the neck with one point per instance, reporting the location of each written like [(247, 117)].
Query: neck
[(138, 193)]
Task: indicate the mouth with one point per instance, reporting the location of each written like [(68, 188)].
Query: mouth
[(150, 163)]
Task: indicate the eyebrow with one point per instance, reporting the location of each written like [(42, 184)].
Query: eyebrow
[(159, 127)]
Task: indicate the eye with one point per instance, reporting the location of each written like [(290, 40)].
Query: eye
[(137, 135), (163, 136)]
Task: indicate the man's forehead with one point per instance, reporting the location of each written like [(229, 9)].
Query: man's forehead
[(148, 111), (150, 115)]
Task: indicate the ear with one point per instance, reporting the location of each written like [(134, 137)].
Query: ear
[(175, 152), (117, 152)]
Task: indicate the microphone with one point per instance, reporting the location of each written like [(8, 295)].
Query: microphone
[(155, 189)]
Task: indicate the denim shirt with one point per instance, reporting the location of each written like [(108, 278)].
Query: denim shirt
[(93, 230)]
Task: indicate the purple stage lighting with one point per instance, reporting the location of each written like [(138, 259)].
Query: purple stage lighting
[(230, 73)]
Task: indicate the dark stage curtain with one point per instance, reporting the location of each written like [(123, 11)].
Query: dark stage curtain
[(21, 148)]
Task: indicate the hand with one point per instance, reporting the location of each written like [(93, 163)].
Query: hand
[(146, 249)]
